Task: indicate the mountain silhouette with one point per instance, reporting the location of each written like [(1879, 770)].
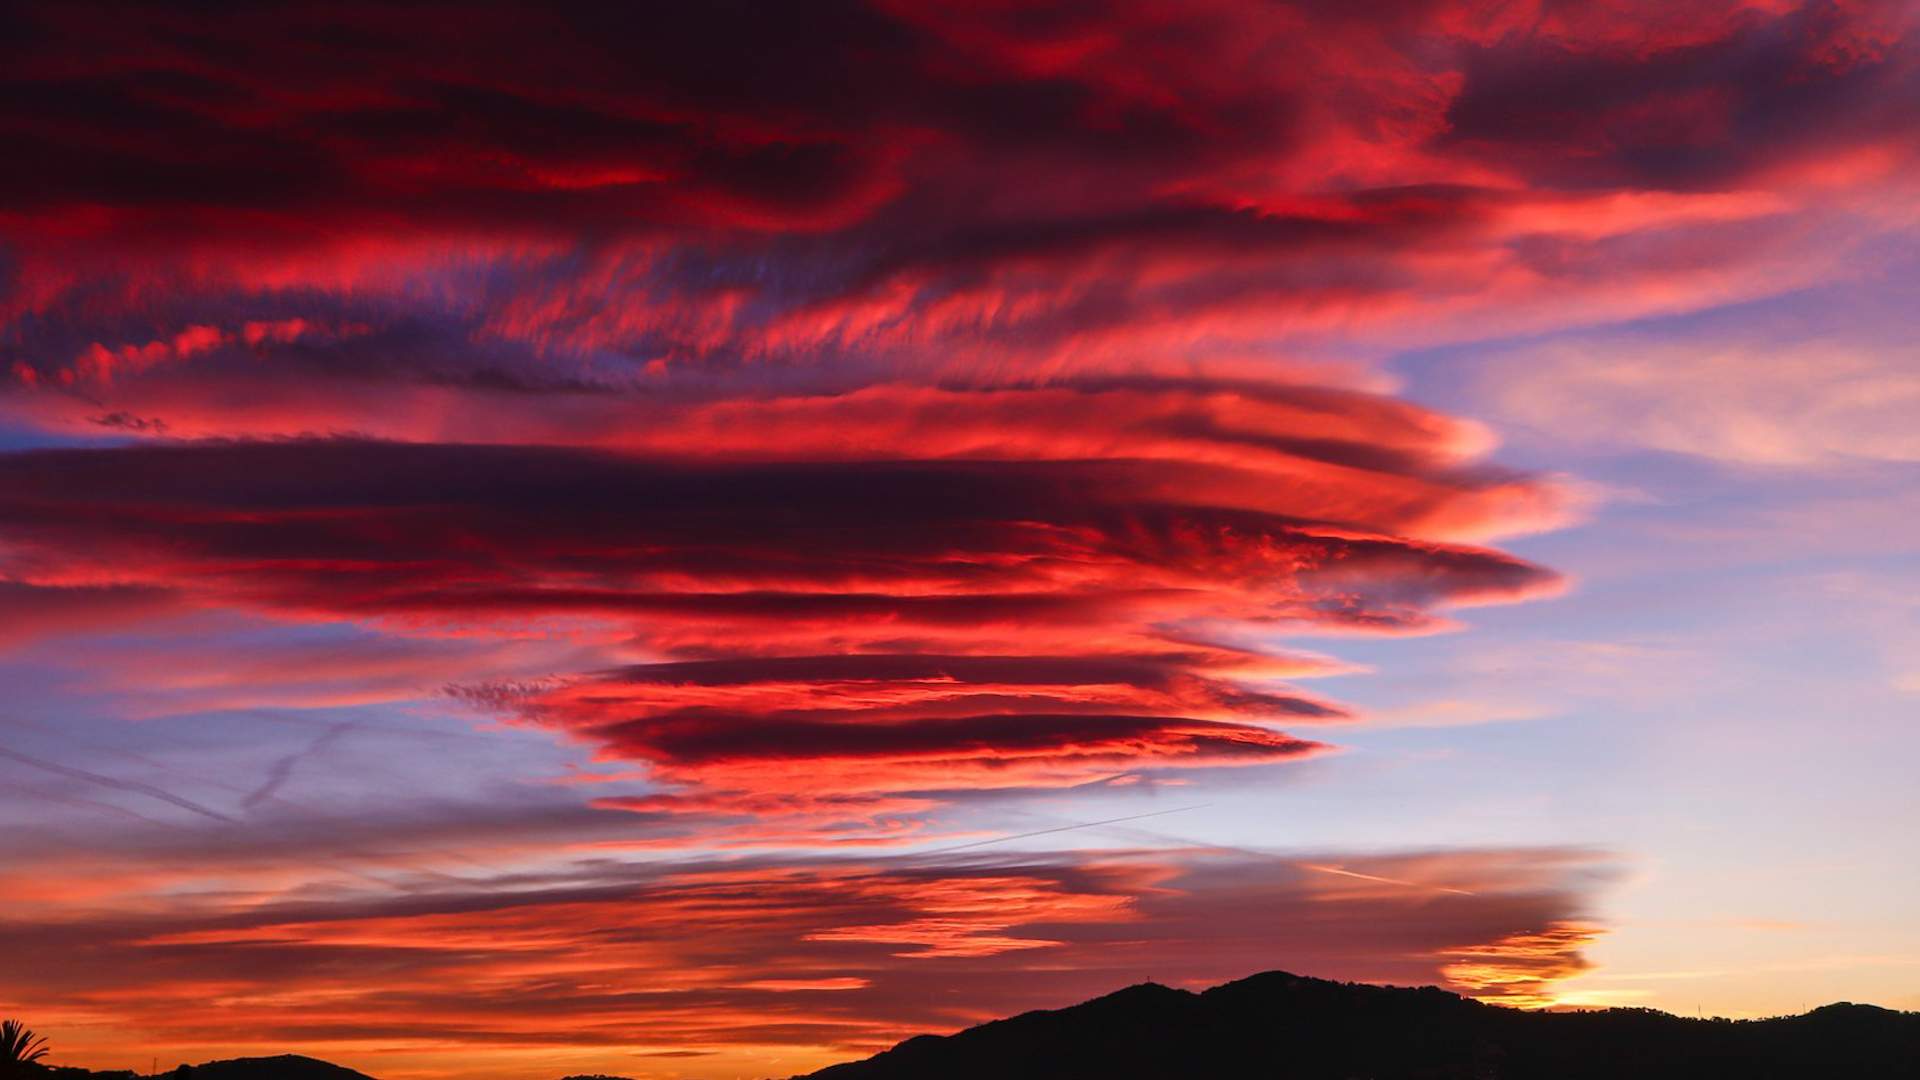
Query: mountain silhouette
[(282, 1067), (1278, 1026)]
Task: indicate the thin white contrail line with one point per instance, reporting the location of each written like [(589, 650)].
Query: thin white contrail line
[(1321, 868), (1065, 828), (1343, 872)]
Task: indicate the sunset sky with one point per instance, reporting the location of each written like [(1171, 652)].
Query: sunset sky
[(702, 540)]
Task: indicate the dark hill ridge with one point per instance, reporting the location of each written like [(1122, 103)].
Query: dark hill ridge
[(282, 1067), (1278, 1026)]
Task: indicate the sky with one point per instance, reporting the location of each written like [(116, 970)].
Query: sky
[(703, 540)]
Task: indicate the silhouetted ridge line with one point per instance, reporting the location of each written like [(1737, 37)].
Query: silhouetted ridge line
[(280, 1067), (1279, 1026)]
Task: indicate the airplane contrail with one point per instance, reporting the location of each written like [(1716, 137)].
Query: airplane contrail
[(1065, 828), (1343, 872), (134, 786), (282, 769), (259, 796), (1322, 868)]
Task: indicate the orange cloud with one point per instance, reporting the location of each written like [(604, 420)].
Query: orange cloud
[(1521, 969), (821, 959)]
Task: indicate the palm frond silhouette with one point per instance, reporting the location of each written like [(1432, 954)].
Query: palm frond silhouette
[(19, 1047)]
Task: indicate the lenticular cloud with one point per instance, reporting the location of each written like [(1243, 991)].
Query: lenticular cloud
[(866, 610)]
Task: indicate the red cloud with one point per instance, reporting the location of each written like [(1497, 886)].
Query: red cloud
[(867, 627), (29, 612), (1332, 455), (864, 724), (1048, 188)]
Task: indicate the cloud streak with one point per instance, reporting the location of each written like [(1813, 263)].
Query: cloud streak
[(818, 959)]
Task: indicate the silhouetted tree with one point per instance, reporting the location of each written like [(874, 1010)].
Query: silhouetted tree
[(19, 1048)]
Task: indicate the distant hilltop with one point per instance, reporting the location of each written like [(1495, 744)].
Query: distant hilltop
[(1279, 1026)]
